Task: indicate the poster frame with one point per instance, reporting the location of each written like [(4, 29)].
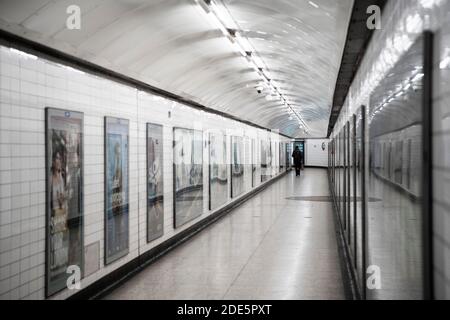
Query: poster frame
[(159, 235), (48, 291), (223, 134), (174, 191), (241, 165), (109, 260)]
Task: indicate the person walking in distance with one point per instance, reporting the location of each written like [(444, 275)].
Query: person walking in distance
[(297, 155)]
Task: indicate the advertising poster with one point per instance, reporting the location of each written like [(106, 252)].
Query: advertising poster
[(188, 175), (400, 113), (237, 166), (271, 159), (116, 188), (247, 165), (218, 170), (288, 155), (64, 196), (253, 162), (282, 152), (264, 160), (155, 186)]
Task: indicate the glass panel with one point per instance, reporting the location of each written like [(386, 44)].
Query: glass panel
[(360, 197), (264, 160), (155, 186), (271, 161), (218, 170), (334, 165), (237, 166), (395, 241), (351, 189), (288, 155), (338, 173), (64, 148), (188, 175), (247, 164), (340, 178), (116, 185), (253, 164), (345, 179)]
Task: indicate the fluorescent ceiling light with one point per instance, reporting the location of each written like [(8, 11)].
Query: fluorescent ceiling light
[(313, 4), (223, 15), (204, 6), (252, 65), (417, 77), (239, 49), (216, 23), (445, 64), (258, 62), (220, 18), (243, 42), (414, 23)]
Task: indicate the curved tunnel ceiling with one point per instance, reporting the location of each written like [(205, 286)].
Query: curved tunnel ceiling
[(170, 44)]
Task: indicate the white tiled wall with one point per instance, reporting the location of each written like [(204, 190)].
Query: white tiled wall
[(28, 85), (315, 155), (402, 22)]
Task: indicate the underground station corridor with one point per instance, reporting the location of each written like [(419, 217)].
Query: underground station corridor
[(243, 156), (279, 245)]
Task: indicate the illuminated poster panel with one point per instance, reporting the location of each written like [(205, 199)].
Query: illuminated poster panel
[(398, 115), (188, 175), (247, 164), (288, 155), (237, 166), (64, 196), (155, 186), (282, 153), (116, 188), (253, 162), (271, 159), (218, 170), (265, 161)]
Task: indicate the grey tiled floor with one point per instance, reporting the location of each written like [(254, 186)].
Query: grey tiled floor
[(269, 248)]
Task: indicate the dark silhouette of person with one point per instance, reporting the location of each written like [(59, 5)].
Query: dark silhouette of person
[(297, 155)]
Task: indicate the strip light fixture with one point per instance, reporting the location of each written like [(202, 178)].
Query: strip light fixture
[(219, 17)]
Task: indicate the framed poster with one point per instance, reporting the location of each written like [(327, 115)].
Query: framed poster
[(282, 153), (399, 112), (187, 175), (155, 185), (237, 166), (270, 160), (360, 194), (218, 170), (288, 155), (64, 196), (116, 189), (253, 162), (247, 165), (264, 161)]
